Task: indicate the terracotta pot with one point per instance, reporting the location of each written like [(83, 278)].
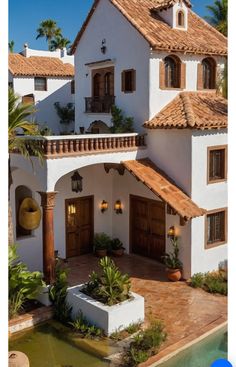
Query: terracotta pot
[(101, 253), (173, 274), (118, 253), (29, 214)]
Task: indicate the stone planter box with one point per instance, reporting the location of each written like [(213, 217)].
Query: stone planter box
[(108, 318)]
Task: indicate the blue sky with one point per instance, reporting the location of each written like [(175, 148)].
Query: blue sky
[(25, 16)]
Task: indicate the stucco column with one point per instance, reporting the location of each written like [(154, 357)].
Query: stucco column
[(48, 203)]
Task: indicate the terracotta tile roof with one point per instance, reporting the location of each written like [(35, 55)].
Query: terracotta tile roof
[(164, 4), (38, 66), (164, 187), (200, 38), (195, 110)]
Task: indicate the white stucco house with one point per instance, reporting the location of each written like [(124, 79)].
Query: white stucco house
[(158, 62), (44, 78)]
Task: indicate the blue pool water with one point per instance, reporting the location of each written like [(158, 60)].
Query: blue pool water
[(203, 353)]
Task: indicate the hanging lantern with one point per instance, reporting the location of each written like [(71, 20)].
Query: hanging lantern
[(76, 182)]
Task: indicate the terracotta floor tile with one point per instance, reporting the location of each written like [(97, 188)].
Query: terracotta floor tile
[(183, 309)]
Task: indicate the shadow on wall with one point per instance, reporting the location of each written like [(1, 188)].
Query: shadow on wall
[(46, 114)]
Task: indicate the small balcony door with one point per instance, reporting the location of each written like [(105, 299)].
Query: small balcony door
[(79, 226)]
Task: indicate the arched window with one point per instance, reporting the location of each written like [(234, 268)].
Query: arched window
[(97, 85), (180, 18), (172, 72), (209, 73), (107, 84)]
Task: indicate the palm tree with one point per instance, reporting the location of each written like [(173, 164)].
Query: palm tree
[(11, 46), (219, 16), (18, 115), (48, 28), (59, 42)]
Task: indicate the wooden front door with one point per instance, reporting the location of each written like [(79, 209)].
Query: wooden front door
[(147, 227), (79, 226)]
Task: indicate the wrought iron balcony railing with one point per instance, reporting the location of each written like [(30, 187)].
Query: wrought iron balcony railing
[(99, 104)]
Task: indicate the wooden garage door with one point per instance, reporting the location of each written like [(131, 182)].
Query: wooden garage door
[(79, 226), (147, 227)]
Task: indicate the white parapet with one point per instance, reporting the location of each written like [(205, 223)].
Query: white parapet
[(108, 318)]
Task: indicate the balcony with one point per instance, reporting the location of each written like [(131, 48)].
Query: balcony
[(99, 104), (76, 145)]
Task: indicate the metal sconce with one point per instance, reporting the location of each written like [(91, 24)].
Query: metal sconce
[(104, 206), (76, 182), (118, 207), (103, 47), (171, 232)]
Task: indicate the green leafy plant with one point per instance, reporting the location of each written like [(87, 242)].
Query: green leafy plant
[(85, 329), (145, 344), (121, 124), (23, 284), (121, 334), (58, 292), (111, 286), (101, 241), (171, 260), (66, 113), (212, 282), (116, 244)]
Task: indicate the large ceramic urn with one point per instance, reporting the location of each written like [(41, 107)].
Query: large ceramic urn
[(29, 214)]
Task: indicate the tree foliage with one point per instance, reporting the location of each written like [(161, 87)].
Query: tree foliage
[(219, 16)]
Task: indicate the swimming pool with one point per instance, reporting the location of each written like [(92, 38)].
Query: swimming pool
[(203, 353)]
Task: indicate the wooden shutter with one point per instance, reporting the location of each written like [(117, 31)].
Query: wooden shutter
[(199, 76), (183, 75), (162, 75), (123, 81), (133, 80)]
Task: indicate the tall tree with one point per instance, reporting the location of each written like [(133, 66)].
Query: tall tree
[(219, 16), (48, 28), (11, 46), (59, 42), (18, 122)]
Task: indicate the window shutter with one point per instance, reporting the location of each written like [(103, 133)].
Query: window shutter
[(162, 75), (199, 77), (183, 75), (123, 81), (133, 80)]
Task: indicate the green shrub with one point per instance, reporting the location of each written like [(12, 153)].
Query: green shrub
[(101, 241), (23, 284), (145, 344), (121, 124), (58, 292), (85, 329), (215, 284), (121, 334), (171, 260), (116, 244), (111, 287), (197, 280), (212, 282)]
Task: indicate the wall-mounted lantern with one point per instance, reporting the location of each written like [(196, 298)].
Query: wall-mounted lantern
[(171, 232), (76, 182), (103, 47), (118, 207), (104, 206)]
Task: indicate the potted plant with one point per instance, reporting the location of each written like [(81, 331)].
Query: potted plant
[(173, 264), (101, 244), (117, 248)]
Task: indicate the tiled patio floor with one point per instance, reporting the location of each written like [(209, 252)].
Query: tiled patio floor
[(183, 309)]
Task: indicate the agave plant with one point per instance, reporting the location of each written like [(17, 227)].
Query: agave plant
[(111, 287)]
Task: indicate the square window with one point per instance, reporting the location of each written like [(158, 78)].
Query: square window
[(40, 84), (217, 164), (128, 81), (216, 227)]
